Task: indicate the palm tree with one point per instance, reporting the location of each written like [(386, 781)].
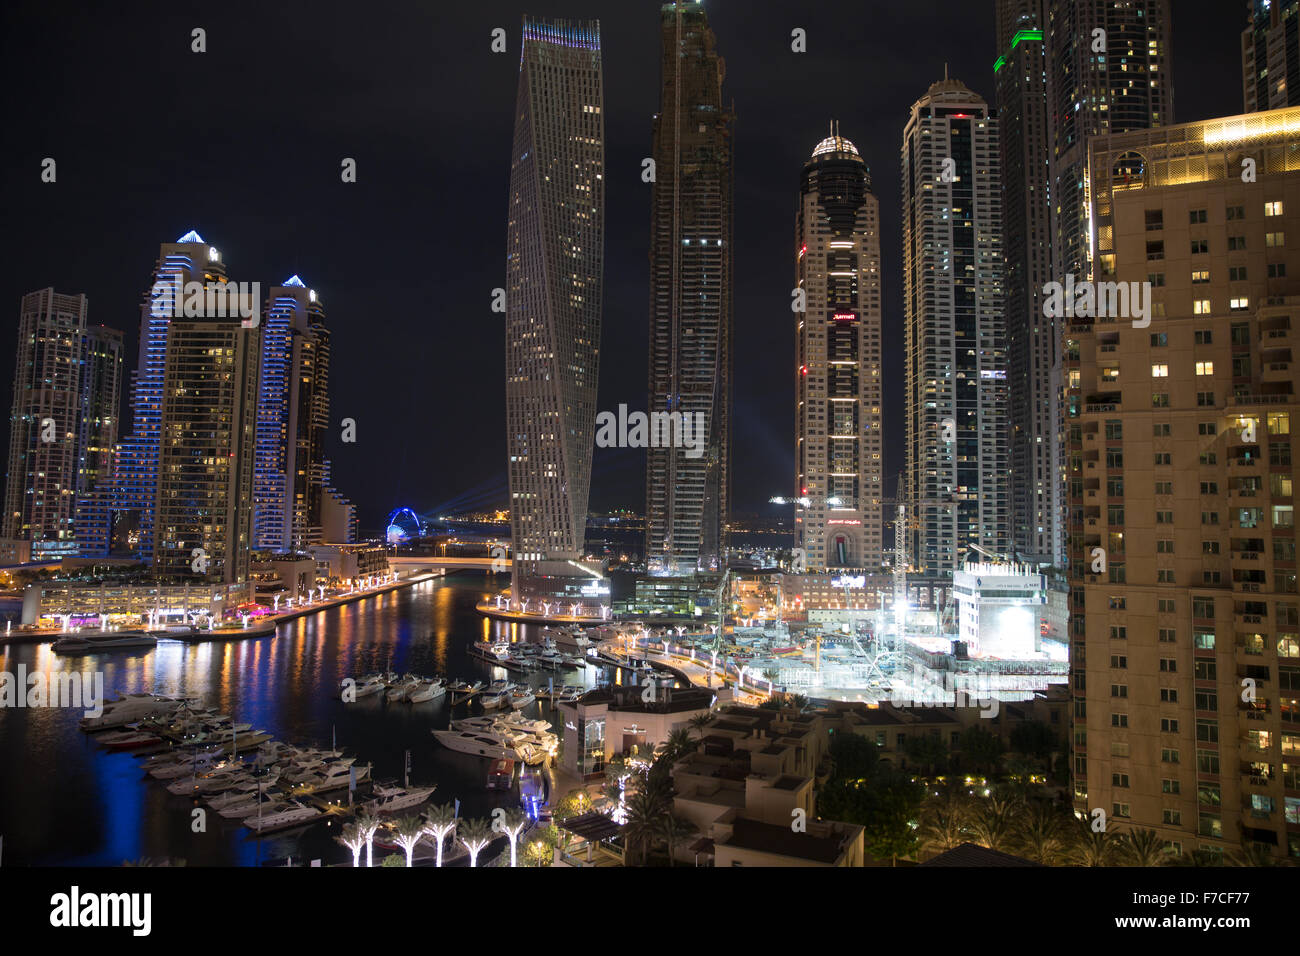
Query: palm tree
[(409, 831), (1041, 834), (511, 823), (700, 721), (1093, 847), (1143, 847), (674, 829), (441, 821), (679, 744), (944, 819), (354, 840), (644, 813), (475, 834), (368, 825), (800, 701), (993, 824)]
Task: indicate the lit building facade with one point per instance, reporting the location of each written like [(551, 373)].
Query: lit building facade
[(957, 458), (1033, 367), (64, 421), (690, 348), (1270, 55), (1185, 610), (203, 517), (838, 444), (291, 478), (554, 276)]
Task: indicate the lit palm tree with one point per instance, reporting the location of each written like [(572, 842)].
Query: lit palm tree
[(511, 823), (1143, 847), (800, 701), (1041, 836), (409, 831), (944, 819), (1093, 847), (368, 825), (644, 814), (354, 840), (441, 821), (993, 824), (475, 834), (674, 830)]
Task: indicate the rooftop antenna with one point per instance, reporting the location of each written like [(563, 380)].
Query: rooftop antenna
[(945, 71)]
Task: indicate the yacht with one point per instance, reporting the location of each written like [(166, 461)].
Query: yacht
[(270, 801), (427, 691), (292, 815), (497, 653), (388, 799), (128, 710), (493, 700), (501, 775), (187, 767), (109, 641), (369, 686), (335, 777), (463, 687), (478, 743), (521, 698), (129, 740), (402, 689)]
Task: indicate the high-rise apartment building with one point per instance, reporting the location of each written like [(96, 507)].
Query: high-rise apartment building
[(291, 473), (1108, 71), (838, 443), (690, 350), (63, 426), (1037, 511), (554, 275), (956, 477), (1185, 609), (1270, 55), (203, 519)]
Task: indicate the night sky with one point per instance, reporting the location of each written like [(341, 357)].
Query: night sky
[(244, 143)]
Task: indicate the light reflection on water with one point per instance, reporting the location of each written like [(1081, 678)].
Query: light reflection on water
[(65, 799)]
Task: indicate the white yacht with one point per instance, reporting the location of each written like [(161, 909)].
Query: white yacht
[(427, 691), (369, 686), (332, 778), (294, 814), (478, 743), (497, 653), (403, 688), (133, 707), (521, 697), (391, 799), (270, 801)]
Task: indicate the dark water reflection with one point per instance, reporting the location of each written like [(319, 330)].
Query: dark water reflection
[(65, 799)]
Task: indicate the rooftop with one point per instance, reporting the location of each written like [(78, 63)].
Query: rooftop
[(782, 841)]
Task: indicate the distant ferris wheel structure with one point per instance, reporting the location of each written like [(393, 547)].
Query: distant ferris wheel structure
[(403, 524)]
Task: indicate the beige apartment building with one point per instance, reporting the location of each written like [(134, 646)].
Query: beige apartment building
[(1185, 614)]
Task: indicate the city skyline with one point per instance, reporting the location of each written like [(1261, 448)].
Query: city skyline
[(362, 285)]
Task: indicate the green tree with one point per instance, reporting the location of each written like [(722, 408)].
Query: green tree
[(945, 819), (885, 805), (1042, 835), (853, 757), (981, 750), (928, 751), (1090, 847), (1035, 739), (993, 823), (674, 830)]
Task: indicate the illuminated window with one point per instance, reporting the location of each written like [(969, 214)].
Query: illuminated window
[(1201, 307), (1273, 208), (1204, 368), (1159, 371)]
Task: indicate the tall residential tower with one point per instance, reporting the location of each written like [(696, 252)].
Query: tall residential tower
[(957, 460), (64, 422), (1037, 518), (1270, 55), (838, 443), (554, 275), (690, 298)]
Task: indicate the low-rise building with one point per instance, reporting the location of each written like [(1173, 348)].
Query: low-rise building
[(611, 721)]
